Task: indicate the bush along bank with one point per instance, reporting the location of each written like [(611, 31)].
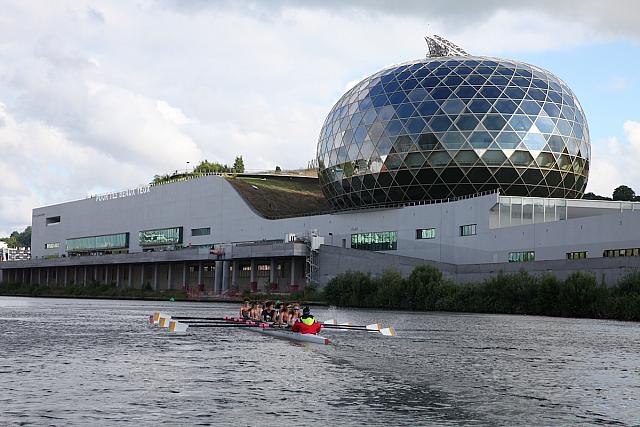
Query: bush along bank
[(94, 290), (580, 295)]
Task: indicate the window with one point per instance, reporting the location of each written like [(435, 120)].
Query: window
[(577, 255), (97, 243), (468, 230), (53, 220), (205, 231), (522, 256), (264, 270), (425, 233), (161, 236), (621, 252), (375, 241), (55, 245), (245, 271)]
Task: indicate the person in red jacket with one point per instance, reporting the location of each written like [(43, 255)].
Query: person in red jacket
[(307, 323)]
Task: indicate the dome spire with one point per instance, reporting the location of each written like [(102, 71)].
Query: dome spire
[(439, 47)]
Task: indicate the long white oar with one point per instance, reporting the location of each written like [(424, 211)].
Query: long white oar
[(374, 327)]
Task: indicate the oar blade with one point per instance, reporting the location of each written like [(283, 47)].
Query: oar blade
[(374, 327), (178, 327), (330, 322), (164, 321), (388, 332)]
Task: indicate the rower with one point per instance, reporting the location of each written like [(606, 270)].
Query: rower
[(245, 310), (268, 314), (307, 323), (294, 315)]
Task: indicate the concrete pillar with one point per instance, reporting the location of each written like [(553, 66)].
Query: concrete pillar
[(217, 278), (130, 278), (118, 276), (142, 276), (84, 280), (272, 271), (155, 276), (66, 276), (39, 276), (184, 274), (107, 274), (234, 274), (24, 276), (170, 277), (1, 275), (48, 268), (200, 268), (225, 275), (293, 271), (75, 275), (254, 270)]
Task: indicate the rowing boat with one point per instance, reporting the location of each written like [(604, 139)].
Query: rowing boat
[(285, 334)]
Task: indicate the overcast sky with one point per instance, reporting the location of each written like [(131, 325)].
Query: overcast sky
[(100, 96)]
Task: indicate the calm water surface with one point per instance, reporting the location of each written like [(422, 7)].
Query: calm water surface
[(97, 362)]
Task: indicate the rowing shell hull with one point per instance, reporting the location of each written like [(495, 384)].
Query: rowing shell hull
[(293, 336)]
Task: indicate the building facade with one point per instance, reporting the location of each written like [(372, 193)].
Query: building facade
[(472, 164)]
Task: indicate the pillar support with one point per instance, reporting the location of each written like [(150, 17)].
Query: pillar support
[(225, 275), (155, 276), (217, 278), (272, 272), (234, 274)]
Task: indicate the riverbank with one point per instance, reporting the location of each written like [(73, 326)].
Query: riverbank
[(580, 295), (308, 296)]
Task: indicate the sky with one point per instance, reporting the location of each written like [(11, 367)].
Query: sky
[(98, 96)]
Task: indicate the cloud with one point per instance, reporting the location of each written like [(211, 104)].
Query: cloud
[(616, 84), (615, 162), (100, 95)]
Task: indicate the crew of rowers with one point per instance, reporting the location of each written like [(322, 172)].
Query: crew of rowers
[(281, 314)]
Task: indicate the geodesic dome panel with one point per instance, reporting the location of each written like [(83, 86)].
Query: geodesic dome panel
[(453, 126)]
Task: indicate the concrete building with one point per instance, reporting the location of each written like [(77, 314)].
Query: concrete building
[(506, 144), (14, 254)]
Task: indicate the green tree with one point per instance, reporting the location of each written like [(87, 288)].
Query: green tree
[(623, 193), (238, 164), (18, 239)]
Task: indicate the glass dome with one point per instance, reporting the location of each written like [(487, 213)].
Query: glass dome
[(452, 126)]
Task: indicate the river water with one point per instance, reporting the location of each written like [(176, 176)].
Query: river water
[(97, 362)]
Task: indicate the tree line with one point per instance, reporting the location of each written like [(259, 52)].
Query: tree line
[(203, 167), (622, 193), (18, 239), (580, 295)]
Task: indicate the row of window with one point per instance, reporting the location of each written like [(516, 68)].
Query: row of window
[(425, 233), (524, 256), (375, 241), (157, 237), (621, 252)]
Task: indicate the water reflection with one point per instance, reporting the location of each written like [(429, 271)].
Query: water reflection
[(97, 362)]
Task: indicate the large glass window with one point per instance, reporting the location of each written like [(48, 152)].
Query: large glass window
[(425, 233), (98, 243), (522, 256), (577, 255), (468, 230), (161, 236), (205, 231), (621, 252), (375, 241)]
